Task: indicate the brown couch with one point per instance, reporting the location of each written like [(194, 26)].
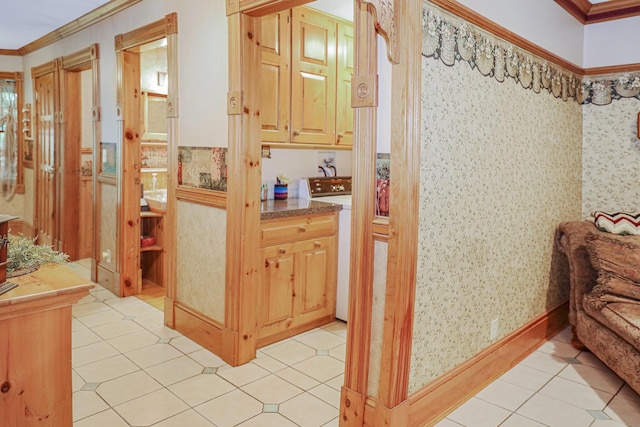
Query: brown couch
[(604, 307)]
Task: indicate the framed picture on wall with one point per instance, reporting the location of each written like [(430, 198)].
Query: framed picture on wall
[(108, 158)]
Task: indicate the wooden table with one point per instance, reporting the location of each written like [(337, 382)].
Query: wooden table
[(35, 347)]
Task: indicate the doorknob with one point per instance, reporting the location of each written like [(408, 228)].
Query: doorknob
[(296, 132)]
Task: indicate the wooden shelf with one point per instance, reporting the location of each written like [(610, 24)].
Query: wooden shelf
[(151, 214), (150, 248)]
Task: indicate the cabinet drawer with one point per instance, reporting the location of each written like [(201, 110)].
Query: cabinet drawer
[(297, 228)]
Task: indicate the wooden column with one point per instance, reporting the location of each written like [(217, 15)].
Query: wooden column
[(243, 210), (356, 381), (404, 206)]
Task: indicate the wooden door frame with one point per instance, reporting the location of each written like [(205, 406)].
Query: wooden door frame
[(128, 166), (52, 67), (82, 60), (243, 210)]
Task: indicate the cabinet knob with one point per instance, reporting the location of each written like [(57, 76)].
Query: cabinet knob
[(296, 132), (302, 229), (317, 244), (282, 251)]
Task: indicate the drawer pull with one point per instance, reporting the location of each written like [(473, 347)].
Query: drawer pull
[(302, 229), (317, 244), (282, 251)]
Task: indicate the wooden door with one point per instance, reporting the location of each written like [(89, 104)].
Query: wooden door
[(313, 91), (275, 89), (71, 223), (45, 209), (344, 113)]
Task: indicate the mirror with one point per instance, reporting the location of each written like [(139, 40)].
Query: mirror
[(155, 116), (10, 137)]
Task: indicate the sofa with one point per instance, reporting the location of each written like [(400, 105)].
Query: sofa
[(604, 302)]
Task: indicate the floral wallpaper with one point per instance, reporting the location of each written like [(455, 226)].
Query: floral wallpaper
[(611, 157), (203, 167), (201, 264), (501, 167)]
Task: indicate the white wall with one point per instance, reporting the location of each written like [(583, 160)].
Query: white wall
[(10, 63), (612, 43), (203, 85), (544, 23)]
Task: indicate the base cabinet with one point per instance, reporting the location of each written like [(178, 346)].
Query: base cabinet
[(298, 279)]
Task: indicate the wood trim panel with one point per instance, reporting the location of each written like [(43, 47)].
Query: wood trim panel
[(148, 33), (214, 199), (208, 333), (82, 59), (243, 210), (615, 69), (403, 215), (471, 16), (588, 13), (266, 7), (10, 52), (356, 378), (381, 229), (105, 11), (107, 179), (46, 68), (439, 398)]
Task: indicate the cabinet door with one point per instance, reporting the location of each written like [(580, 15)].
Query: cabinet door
[(313, 91), (276, 285), (276, 76), (344, 113), (315, 285)]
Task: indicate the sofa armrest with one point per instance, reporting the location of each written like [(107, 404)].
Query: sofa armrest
[(570, 240)]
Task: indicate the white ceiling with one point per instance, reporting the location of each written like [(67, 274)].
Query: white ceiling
[(24, 21)]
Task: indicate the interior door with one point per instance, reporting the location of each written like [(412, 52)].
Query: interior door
[(45, 209)]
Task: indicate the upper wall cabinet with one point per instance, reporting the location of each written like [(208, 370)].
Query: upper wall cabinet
[(307, 63)]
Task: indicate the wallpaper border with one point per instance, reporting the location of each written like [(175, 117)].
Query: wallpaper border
[(452, 39)]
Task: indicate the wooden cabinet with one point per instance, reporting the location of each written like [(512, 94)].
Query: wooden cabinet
[(307, 63), (151, 256), (298, 278), (35, 347)]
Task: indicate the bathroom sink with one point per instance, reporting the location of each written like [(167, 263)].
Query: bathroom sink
[(157, 199)]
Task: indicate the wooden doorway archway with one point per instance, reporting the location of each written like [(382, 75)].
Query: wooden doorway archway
[(129, 167), (64, 218), (403, 48)]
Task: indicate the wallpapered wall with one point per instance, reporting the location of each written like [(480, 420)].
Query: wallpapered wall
[(501, 167), (611, 157), (201, 264)]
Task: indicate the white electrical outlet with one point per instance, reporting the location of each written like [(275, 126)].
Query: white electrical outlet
[(495, 324), (106, 256)]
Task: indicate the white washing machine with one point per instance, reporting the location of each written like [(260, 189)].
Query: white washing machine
[(336, 190)]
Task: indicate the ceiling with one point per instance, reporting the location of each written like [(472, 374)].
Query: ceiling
[(26, 21)]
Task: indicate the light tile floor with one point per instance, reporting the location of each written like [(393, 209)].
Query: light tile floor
[(130, 370)]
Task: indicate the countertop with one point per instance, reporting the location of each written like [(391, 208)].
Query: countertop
[(49, 284), (271, 209)]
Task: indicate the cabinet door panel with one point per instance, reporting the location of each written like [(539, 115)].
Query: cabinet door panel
[(313, 80), (276, 293), (344, 113), (316, 276), (276, 77)]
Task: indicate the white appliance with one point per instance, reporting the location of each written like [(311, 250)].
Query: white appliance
[(335, 190)]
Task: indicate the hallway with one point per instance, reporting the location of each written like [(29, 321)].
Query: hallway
[(130, 370)]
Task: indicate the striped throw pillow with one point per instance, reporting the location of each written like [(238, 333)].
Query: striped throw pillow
[(623, 223)]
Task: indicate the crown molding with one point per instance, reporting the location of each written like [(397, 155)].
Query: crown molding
[(10, 52), (588, 13), (83, 22)]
